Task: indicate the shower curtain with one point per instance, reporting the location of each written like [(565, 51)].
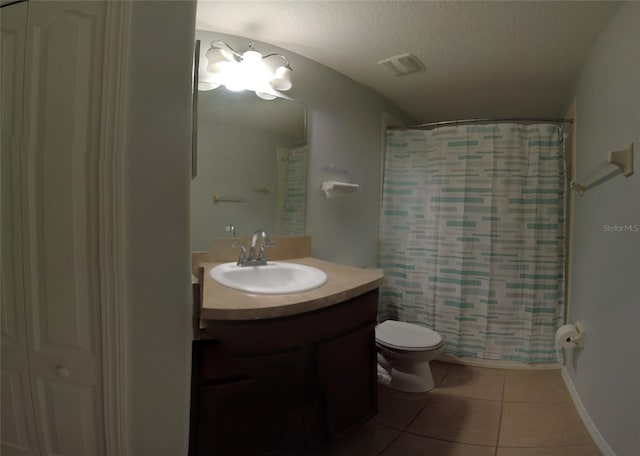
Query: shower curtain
[(472, 237), (292, 190)]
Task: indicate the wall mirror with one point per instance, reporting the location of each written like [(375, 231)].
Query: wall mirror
[(252, 166)]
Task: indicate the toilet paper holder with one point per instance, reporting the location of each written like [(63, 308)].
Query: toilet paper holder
[(579, 339)]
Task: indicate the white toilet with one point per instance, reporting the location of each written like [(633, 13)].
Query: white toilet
[(404, 352)]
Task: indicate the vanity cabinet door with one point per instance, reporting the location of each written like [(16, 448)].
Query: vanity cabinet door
[(285, 386), (249, 404), (347, 381)]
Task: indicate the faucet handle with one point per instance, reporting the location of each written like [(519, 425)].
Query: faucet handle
[(262, 256), (242, 259), (231, 228)]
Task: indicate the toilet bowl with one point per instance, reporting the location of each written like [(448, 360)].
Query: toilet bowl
[(404, 352)]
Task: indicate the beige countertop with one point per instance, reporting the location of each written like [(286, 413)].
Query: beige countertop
[(345, 282)]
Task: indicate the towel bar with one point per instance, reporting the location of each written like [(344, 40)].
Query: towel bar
[(621, 159)]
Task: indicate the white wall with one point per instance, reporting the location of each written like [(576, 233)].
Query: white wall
[(345, 121), (157, 245), (606, 265), (345, 124)]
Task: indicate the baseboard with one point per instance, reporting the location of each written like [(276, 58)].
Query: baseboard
[(495, 363), (601, 443)]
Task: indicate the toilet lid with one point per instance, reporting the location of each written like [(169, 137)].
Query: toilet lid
[(406, 336)]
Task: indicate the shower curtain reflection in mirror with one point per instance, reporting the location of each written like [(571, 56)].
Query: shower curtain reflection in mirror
[(252, 153)]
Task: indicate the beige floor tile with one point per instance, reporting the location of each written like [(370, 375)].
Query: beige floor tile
[(474, 382), (397, 409), (368, 440), (439, 371), (413, 445), (581, 450), (459, 419), (534, 385), (541, 424)]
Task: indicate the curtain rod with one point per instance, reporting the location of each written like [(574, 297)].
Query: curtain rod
[(494, 119)]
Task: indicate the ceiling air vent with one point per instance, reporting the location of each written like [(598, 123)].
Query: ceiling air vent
[(403, 64)]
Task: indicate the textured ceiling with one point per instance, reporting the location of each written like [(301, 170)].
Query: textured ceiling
[(483, 59)]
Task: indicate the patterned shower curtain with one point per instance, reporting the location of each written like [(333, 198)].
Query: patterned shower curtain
[(472, 237), (292, 191)]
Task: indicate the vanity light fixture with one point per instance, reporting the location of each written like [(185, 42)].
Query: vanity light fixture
[(249, 70)]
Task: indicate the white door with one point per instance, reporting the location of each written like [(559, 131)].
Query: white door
[(59, 201), (17, 424)]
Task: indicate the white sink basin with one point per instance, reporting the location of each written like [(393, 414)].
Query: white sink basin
[(274, 278)]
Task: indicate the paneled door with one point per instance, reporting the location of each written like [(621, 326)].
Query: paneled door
[(60, 250), (17, 424)]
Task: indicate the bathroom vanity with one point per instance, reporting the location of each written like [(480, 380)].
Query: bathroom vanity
[(283, 374)]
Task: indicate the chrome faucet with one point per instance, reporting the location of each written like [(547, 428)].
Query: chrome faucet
[(261, 258), (252, 259)]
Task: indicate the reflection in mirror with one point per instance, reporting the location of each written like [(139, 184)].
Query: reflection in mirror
[(252, 166)]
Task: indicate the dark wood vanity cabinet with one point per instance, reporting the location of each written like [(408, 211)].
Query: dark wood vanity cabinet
[(286, 385), (347, 381)]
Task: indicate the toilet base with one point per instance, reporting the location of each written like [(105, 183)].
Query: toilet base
[(412, 377), (408, 371)]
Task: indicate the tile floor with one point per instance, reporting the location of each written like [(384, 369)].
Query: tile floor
[(474, 412)]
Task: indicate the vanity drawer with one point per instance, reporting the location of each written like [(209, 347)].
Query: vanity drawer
[(280, 334), (214, 362)]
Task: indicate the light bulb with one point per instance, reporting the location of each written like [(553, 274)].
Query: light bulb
[(206, 86), (251, 57), (205, 81), (219, 60), (282, 79), (231, 78), (235, 85), (265, 96), (254, 74)]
